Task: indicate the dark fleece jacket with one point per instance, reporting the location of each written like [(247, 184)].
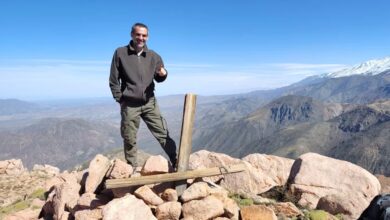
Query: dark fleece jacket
[(131, 76)]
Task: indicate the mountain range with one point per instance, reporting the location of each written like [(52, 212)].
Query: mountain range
[(343, 114)]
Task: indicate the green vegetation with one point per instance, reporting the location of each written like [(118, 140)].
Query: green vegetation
[(320, 215), (39, 193), (14, 207), (240, 200)]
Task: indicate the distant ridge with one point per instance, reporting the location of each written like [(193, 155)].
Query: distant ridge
[(371, 67)]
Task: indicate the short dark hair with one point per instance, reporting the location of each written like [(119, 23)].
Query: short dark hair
[(138, 25)]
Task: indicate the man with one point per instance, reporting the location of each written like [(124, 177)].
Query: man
[(133, 69)]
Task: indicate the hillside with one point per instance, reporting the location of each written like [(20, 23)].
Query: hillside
[(231, 137), (15, 106), (359, 136), (59, 142)]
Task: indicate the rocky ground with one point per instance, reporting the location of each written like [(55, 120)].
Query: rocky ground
[(271, 187)]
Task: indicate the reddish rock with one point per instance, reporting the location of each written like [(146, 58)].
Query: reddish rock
[(11, 167), (120, 170), (127, 208), (257, 212), (168, 211), (248, 181), (231, 209), (148, 196), (96, 172), (314, 176), (286, 209), (155, 165), (91, 201), (66, 196), (335, 204), (94, 214), (197, 190), (169, 195), (46, 169), (201, 209), (274, 170)]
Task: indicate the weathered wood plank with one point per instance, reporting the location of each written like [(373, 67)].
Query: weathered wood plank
[(169, 177), (186, 138)]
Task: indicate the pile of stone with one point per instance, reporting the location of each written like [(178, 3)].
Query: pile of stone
[(317, 182)]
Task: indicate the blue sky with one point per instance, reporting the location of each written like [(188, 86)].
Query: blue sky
[(63, 49)]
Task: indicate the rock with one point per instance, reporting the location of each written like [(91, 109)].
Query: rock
[(336, 204), (46, 169), (149, 197), (286, 209), (168, 211), (248, 181), (127, 208), (159, 188), (91, 201), (197, 190), (66, 196), (222, 218), (257, 212), (200, 209), (50, 183), (275, 170), (120, 170), (169, 195), (65, 216), (96, 172), (314, 176), (120, 192), (155, 165), (48, 207), (11, 167), (231, 209), (94, 214)]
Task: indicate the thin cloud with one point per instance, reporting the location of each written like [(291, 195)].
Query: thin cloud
[(58, 78)]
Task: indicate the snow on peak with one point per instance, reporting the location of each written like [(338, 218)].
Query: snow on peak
[(371, 67)]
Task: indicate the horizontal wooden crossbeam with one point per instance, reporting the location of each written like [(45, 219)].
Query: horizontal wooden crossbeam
[(169, 177)]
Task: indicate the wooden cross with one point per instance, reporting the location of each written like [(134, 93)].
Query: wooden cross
[(185, 148)]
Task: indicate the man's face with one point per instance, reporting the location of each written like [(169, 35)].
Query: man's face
[(139, 37)]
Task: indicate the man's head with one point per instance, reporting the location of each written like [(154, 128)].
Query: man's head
[(139, 35)]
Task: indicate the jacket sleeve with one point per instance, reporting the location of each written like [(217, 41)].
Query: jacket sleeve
[(114, 81), (157, 77)]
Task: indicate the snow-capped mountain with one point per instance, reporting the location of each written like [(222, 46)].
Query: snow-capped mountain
[(371, 67)]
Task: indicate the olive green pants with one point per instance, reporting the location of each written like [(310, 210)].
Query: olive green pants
[(150, 114)]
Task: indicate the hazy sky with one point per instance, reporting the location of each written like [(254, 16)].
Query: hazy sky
[(63, 48)]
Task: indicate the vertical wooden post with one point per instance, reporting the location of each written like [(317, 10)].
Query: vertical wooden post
[(186, 139)]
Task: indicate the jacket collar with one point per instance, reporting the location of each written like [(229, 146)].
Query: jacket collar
[(133, 51)]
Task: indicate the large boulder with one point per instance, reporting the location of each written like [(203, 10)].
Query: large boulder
[(274, 169), (314, 176), (252, 180), (127, 208)]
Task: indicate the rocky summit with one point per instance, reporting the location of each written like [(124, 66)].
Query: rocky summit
[(271, 187)]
